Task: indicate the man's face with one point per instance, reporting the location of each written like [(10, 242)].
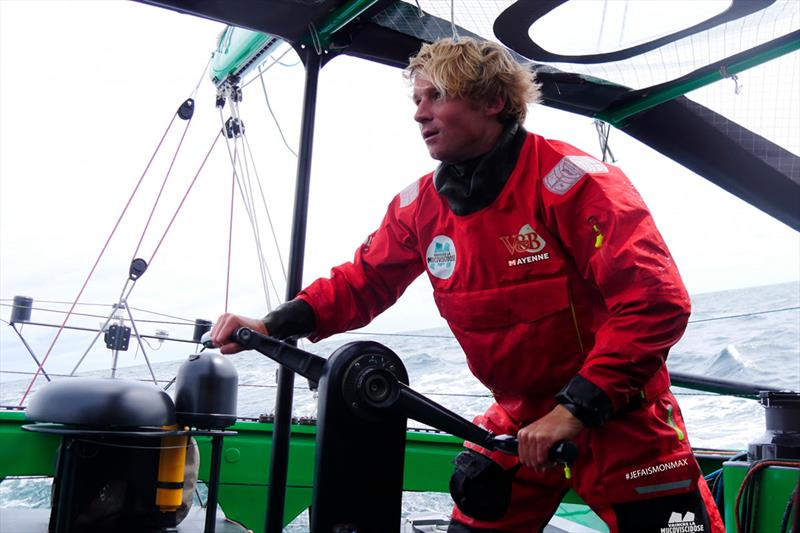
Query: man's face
[(454, 129)]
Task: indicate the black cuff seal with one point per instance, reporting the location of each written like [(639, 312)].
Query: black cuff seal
[(586, 401), (293, 319)]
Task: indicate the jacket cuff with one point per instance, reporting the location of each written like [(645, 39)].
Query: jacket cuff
[(586, 401), (294, 318)]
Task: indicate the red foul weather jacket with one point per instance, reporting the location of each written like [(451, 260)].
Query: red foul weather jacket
[(563, 276)]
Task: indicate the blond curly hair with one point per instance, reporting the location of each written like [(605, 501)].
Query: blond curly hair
[(479, 71)]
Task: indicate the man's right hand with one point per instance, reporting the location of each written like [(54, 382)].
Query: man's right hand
[(227, 324)]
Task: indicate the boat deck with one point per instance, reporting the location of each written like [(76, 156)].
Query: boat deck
[(22, 520)]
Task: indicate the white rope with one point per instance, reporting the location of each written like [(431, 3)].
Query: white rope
[(272, 113), (266, 210), (233, 155), (453, 20), (202, 76), (265, 273), (275, 61)]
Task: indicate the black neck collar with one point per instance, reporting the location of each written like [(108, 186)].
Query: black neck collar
[(474, 184)]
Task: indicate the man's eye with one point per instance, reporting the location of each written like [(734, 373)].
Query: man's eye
[(437, 96)]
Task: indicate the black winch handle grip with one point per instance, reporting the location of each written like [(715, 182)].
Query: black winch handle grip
[(564, 451), (205, 340), (422, 409)]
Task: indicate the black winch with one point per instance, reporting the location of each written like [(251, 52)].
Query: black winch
[(782, 438)]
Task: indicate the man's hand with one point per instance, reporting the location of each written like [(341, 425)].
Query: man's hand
[(536, 439), (227, 324)]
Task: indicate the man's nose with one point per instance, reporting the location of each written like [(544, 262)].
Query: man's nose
[(422, 114)]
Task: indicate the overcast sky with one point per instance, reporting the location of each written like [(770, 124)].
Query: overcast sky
[(88, 89)]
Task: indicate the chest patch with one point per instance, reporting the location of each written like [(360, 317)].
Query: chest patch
[(569, 170), (525, 247), (526, 241), (409, 194), (441, 257)]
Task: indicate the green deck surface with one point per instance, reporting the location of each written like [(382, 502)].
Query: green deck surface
[(428, 465)]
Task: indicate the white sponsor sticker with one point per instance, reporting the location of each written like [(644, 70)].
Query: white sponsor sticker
[(683, 524), (441, 257), (409, 194), (569, 170)]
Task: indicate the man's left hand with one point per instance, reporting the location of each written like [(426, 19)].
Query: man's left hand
[(536, 439)]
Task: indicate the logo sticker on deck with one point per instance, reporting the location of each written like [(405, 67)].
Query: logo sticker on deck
[(441, 257), (569, 171)]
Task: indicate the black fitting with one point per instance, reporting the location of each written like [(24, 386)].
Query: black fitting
[(186, 110)]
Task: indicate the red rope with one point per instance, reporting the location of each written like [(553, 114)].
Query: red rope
[(174, 216), (97, 261), (230, 236), (750, 473), (160, 192)]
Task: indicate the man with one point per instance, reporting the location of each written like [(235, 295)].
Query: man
[(549, 269)]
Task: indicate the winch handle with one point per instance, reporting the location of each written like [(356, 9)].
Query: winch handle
[(563, 452), (205, 340)]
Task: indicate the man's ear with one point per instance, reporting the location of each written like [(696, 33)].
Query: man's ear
[(495, 105)]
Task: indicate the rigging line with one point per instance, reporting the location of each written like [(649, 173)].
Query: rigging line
[(275, 61), (246, 183), (188, 190), (55, 302), (161, 190), (121, 302), (97, 261), (230, 240), (188, 321), (272, 113), (203, 75), (453, 20), (248, 161), (90, 315), (30, 350), (266, 209), (602, 24), (233, 156), (744, 315)]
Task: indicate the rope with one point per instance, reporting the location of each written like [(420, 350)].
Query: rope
[(244, 163), (161, 190), (202, 76), (246, 150), (272, 113), (453, 21), (188, 190), (744, 315), (246, 195), (269, 218), (230, 240), (97, 261), (754, 469), (275, 61)]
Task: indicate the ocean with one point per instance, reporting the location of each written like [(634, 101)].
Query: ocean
[(750, 335)]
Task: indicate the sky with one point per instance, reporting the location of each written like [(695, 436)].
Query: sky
[(88, 88)]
